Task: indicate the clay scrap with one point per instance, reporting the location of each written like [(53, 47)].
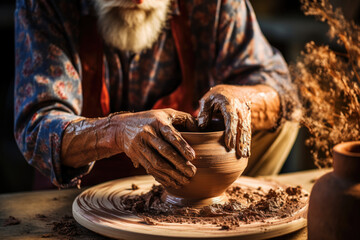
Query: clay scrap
[(245, 205)]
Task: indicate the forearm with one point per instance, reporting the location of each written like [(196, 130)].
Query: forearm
[(265, 107), (87, 140), (265, 104), (148, 138)]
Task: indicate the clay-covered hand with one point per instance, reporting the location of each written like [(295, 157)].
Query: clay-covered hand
[(244, 109), (236, 112), (148, 138)]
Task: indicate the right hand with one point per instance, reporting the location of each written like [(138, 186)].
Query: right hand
[(150, 139)]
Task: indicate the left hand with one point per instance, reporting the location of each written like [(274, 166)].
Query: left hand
[(236, 112)]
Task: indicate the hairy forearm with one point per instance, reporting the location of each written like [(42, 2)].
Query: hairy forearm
[(87, 140)]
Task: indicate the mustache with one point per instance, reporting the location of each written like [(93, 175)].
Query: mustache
[(146, 5)]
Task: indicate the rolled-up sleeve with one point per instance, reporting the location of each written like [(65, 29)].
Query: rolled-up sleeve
[(47, 88), (244, 56)]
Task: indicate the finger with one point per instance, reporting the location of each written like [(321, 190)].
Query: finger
[(171, 154), (160, 164), (184, 119), (231, 120), (159, 176), (205, 112), (174, 138), (243, 142), (163, 178)]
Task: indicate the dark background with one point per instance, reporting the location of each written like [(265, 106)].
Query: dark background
[(282, 22)]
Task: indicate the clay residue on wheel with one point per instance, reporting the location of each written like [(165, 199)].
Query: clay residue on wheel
[(245, 205), (10, 221)]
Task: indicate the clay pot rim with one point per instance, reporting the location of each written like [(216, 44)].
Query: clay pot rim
[(343, 148), (214, 133)]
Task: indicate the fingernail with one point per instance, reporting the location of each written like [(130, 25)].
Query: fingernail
[(227, 144), (192, 153), (190, 172), (189, 152)]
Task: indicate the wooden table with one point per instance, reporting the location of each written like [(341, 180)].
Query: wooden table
[(40, 211)]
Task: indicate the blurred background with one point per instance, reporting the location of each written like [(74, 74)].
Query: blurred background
[(282, 22)]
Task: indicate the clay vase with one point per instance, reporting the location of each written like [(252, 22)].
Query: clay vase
[(334, 207), (217, 169)]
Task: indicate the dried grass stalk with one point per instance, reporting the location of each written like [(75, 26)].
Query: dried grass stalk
[(328, 83)]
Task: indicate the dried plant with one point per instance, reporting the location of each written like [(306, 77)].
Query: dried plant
[(328, 83)]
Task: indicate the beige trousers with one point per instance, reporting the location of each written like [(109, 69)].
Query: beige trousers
[(269, 150)]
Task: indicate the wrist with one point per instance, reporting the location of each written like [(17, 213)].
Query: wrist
[(265, 103), (87, 140), (266, 109)]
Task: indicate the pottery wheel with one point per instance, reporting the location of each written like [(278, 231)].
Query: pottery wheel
[(97, 209)]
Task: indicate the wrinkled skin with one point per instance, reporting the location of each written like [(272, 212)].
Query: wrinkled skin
[(148, 139), (244, 109)]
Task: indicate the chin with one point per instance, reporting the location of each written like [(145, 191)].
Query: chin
[(131, 27)]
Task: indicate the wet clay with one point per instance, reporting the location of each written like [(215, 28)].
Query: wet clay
[(115, 209), (66, 226), (244, 109), (217, 168), (11, 221), (245, 205), (148, 138)]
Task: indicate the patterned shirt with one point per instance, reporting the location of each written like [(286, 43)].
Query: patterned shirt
[(228, 45)]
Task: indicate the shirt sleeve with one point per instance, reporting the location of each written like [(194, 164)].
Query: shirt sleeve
[(47, 88), (244, 56)]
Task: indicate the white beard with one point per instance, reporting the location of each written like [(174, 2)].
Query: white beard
[(131, 27)]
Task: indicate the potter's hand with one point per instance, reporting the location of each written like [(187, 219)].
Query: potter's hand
[(236, 113), (244, 109), (148, 138)]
